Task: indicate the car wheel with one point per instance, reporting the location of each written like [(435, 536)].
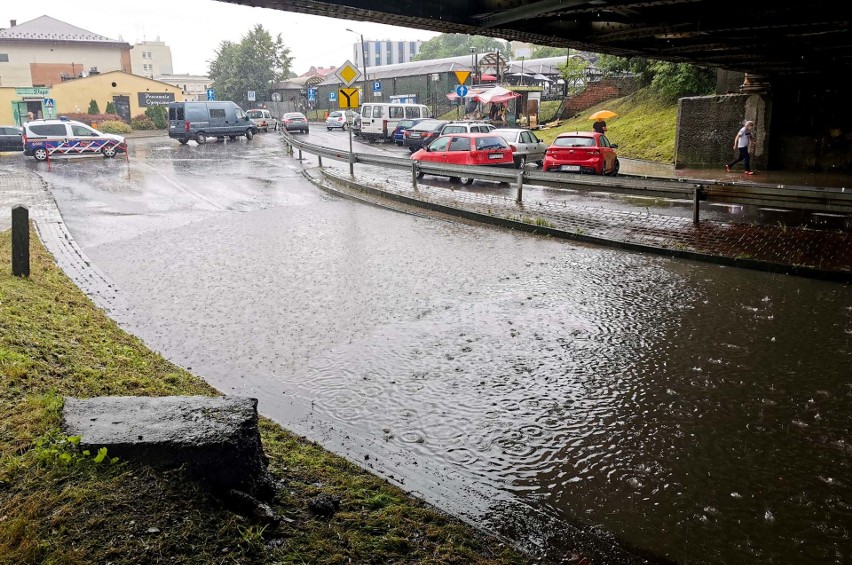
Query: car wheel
[(40, 154), (343, 127), (520, 161), (200, 138), (454, 180), (183, 141), (420, 174), (615, 168), (232, 137), (220, 139), (328, 128), (249, 134), (466, 180), (108, 151)]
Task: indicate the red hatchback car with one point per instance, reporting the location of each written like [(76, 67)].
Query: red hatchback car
[(467, 149), (582, 152)]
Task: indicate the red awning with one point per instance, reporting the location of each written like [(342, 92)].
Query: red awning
[(487, 77)]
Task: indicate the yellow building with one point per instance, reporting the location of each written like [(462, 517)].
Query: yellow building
[(130, 94)]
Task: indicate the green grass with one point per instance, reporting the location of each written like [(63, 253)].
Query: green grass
[(644, 129), (57, 506)]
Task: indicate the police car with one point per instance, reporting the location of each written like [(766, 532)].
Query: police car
[(64, 138)]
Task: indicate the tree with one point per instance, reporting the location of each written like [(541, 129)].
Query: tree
[(110, 109), (455, 44), (255, 63), (158, 115), (669, 80), (93, 107), (542, 51), (572, 72)]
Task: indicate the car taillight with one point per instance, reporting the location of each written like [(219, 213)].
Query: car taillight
[(186, 126), (513, 148)]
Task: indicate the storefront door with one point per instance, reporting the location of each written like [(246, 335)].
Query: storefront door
[(122, 107)]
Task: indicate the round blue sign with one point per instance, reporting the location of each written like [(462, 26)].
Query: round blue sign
[(461, 90)]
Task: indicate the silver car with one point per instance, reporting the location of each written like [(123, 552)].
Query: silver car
[(528, 147)]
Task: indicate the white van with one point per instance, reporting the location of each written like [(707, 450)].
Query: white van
[(379, 119)]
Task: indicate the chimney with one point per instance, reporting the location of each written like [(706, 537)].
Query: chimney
[(13, 23)]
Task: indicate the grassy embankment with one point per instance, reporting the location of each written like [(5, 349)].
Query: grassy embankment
[(59, 506), (645, 128)]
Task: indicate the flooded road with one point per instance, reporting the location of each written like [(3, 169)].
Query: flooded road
[(535, 387)]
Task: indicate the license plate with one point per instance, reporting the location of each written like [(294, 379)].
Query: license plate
[(414, 135), (495, 156), (570, 168)]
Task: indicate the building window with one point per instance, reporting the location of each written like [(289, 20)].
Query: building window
[(389, 50), (401, 52), (412, 49), (144, 55), (4, 57)]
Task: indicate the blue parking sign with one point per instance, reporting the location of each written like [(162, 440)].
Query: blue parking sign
[(377, 86), (332, 96)]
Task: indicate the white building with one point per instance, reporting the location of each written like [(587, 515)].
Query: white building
[(151, 59), (194, 86), (386, 52), (45, 51)]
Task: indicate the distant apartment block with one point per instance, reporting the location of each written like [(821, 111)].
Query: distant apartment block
[(151, 59), (378, 53), (194, 86)]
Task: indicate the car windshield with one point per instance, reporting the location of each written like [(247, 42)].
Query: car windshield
[(455, 129), (405, 124), (428, 126), (335, 115), (574, 142), (483, 143), (254, 114)]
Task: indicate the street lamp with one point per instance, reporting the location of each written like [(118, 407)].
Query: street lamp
[(363, 58)]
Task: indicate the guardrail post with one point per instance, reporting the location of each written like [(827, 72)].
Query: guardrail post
[(300, 154), (414, 174), (520, 183), (696, 197), (20, 241), (319, 158)]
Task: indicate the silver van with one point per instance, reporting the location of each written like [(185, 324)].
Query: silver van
[(200, 120)]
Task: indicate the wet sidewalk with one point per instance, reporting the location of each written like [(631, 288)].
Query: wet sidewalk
[(774, 248)]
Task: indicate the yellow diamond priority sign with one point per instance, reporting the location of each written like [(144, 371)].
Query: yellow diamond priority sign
[(348, 73)]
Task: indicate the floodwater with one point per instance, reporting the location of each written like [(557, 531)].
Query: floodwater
[(551, 392)]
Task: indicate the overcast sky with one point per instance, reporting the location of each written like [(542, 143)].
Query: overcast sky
[(195, 28)]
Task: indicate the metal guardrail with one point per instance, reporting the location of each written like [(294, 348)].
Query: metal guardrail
[(798, 198)]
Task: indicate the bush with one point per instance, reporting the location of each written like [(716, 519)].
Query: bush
[(110, 109), (142, 122), (93, 107), (90, 119), (159, 115), (114, 126)]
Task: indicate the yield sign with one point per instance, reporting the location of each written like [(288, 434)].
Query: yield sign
[(348, 73), (461, 76)]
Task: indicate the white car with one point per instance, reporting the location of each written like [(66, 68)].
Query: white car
[(68, 138), (338, 119), (262, 119), (528, 147)]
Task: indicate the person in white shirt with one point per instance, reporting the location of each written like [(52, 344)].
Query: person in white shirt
[(743, 142)]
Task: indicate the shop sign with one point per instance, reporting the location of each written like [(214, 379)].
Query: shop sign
[(33, 91), (155, 98)]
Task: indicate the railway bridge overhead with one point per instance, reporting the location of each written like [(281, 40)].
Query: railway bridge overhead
[(781, 63)]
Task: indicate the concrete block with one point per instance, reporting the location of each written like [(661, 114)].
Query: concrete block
[(216, 438)]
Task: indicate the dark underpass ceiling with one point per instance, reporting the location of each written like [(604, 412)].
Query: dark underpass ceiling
[(757, 36)]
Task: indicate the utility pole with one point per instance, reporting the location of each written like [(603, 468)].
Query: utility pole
[(363, 62)]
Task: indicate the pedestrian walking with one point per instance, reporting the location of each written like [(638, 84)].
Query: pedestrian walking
[(744, 143), (599, 126)]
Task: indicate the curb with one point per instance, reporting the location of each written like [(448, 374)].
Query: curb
[(753, 264)]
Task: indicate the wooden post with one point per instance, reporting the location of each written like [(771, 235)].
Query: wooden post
[(696, 195), (520, 183), (20, 241)]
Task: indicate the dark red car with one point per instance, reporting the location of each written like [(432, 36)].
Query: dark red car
[(422, 134), (582, 152), (467, 149)]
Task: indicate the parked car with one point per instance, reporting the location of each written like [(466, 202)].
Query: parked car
[(381, 118), (467, 149), (467, 127), (339, 119), (356, 124), (64, 137), (263, 119), (200, 120), (402, 126), (11, 138), (582, 152), (294, 121), (422, 134), (528, 147)]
